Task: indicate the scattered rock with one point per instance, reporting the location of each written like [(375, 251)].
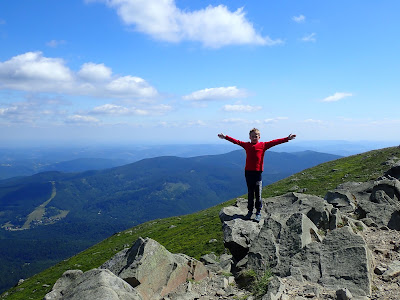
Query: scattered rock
[(343, 294), (392, 271), (379, 270)]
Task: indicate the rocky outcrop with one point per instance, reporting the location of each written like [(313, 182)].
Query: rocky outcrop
[(143, 272), (93, 284), (308, 241), (153, 270)]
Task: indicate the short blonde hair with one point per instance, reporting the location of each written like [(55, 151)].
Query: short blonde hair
[(255, 130)]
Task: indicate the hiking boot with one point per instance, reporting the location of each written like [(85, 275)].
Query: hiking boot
[(258, 217), (248, 216)]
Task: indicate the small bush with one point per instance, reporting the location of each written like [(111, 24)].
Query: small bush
[(260, 286), (257, 285)]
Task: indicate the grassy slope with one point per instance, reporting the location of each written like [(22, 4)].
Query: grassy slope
[(191, 233)]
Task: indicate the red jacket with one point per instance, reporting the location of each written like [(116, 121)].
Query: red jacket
[(255, 152)]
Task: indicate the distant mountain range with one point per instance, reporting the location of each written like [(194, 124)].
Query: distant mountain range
[(25, 161), (52, 215)]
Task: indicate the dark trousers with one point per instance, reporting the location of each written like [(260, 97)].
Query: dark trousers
[(254, 187)]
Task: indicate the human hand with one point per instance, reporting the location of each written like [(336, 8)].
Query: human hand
[(221, 136), (291, 136)]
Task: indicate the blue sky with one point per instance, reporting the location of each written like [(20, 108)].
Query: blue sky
[(163, 71)]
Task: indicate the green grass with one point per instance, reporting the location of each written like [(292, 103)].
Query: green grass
[(260, 286), (190, 234), (324, 177)]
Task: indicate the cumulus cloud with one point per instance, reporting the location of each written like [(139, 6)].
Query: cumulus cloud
[(299, 19), (337, 97), (213, 26), (130, 85), (35, 73), (241, 108), (21, 70), (220, 93), (309, 38), (94, 72)]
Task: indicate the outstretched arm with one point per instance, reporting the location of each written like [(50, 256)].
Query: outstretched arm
[(273, 143), (230, 139)]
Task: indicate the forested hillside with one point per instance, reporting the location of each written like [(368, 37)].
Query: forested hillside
[(68, 212)]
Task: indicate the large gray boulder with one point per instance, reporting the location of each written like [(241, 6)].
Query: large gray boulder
[(145, 271), (394, 171), (238, 235), (281, 237), (238, 232), (93, 284), (152, 270), (341, 199), (346, 262), (321, 213), (379, 201)]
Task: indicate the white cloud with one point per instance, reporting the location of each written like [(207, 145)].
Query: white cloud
[(274, 120), (94, 72), (55, 43), (168, 124), (241, 121), (79, 119), (213, 26), (35, 73), (241, 108), (110, 109), (337, 97), (118, 110), (33, 110), (299, 19), (196, 123), (309, 38), (22, 70), (161, 108), (130, 85), (220, 93), (313, 121), (8, 110)]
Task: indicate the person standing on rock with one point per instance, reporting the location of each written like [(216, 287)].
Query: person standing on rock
[(255, 151)]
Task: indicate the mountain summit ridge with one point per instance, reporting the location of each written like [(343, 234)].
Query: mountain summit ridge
[(172, 232)]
